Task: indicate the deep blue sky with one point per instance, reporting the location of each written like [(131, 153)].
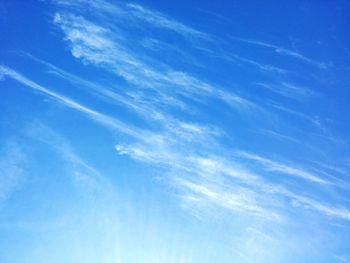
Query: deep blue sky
[(174, 131)]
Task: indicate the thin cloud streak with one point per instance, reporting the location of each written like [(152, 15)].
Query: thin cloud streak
[(259, 65), (239, 200), (283, 51), (83, 173), (99, 117), (328, 210), (133, 100), (287, 90), (159, 20), (283, 168)]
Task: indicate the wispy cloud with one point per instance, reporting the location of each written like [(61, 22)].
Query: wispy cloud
[(159, 20), (254, 63), (99, 117), (100, 5), (283, 168), (313, 120), (99, 46), (240, 200), (168, 49), (259, 233), (288, 90), (283, 51), (333, 168), (12, 167), (204, 180), (136, 14), (340, 258), (201, 180), (84, 175), (326, 209), (278, 136), (137, 101)]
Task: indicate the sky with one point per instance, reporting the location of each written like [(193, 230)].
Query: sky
[(174, 131)]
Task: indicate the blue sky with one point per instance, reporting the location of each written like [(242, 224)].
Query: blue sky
[(174, 131)]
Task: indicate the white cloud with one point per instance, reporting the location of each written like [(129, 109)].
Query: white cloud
[(99, 117), (283, 168), (259, 65), (101, 47), (283, 51), (160, 20), (325, 209), (240, 200), (279, 136), (288, 90), (135, 14)]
